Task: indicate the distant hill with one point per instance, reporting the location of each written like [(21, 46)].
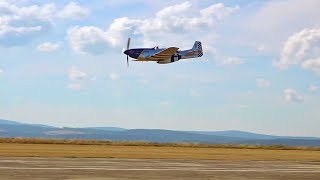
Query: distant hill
[(2, 121), (16, 129), (289, 142), (8, 122), (233, 133), (108, 128), (249, 135)]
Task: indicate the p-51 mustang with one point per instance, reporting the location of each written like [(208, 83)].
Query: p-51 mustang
[(163, 55)]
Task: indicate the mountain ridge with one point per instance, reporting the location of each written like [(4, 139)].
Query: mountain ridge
[(16, 129)]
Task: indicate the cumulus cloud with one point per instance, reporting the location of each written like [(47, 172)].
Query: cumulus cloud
[(250, 93), (312, 64), (240, 106), (114, 76), (73, 10), (48, 47), (173, 21), (232, 107), (20, 24), (178, 17), (261, 48), (313, 87), (76, 74), (273, 20), (262, 83), (232, 61), (291, 95), (164, 104), (88, 39), (77, 78), (194, 93), (302, 48), (74, 86), (275, 15)]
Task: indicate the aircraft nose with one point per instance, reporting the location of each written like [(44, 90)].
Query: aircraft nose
[(126, 52), (133, 53)]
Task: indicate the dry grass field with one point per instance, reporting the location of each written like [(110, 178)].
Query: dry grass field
[(141, 150), (23, 158)]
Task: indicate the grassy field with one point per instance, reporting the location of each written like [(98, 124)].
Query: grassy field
[(141, 150), (154, 144)]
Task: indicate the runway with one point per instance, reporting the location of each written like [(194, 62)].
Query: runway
[(102, 168)]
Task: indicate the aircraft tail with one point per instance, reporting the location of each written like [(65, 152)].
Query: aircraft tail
[(198, 47)]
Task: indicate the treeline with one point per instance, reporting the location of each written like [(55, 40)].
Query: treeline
[(151, 144)]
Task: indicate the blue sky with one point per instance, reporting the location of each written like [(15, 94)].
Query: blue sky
[(62, 64)]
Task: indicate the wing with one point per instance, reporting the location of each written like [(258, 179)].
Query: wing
[(163, 55)]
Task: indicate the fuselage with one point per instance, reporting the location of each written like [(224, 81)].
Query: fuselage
[(143, 54), (135, 53)]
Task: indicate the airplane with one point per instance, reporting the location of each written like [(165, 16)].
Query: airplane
[(163, 55)]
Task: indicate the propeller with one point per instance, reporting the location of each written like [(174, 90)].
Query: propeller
[(128, 43), (128, 46)]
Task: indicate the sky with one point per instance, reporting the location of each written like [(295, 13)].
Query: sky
[(61, 64)]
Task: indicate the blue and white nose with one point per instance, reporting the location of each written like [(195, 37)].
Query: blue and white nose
[(133, 53), (126, 52), (129, 53)]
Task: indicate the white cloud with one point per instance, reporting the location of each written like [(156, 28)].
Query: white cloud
[(178, 17), (291, 95), (73, 10), (1, 72), (302, 48), (312, 64), (232, 61), (194, 93), (164, 104), (93, 78), (21, 23), (250, 93), (261, 48), (77, 77), (143, 81), (275, 15), (262, 83), (232, 107), (173, 10), (76, 74), (313, 87), (88, 39), (175, 22), (273, 21), (113, 76), (240, 106), (74, 86), (48, 47)]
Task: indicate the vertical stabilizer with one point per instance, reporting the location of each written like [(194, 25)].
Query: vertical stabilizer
[(198, 47)]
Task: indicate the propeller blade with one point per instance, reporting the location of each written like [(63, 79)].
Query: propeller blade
[(127, 61), (128, 43), (128, 46)]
